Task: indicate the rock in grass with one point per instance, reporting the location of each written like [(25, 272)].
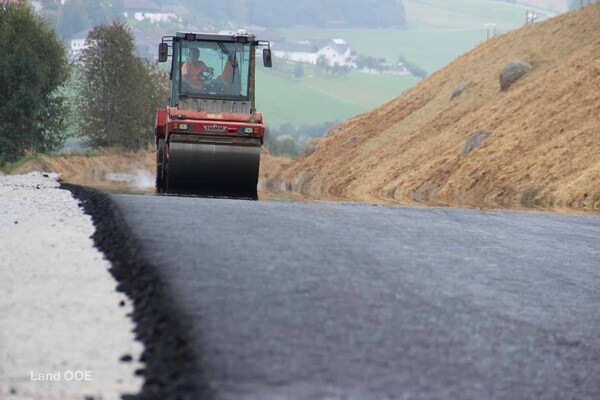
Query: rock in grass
[(513, 72), (458, 91), (475, 140)]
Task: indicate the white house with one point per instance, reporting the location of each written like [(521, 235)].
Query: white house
[(335, 51), (296, 52), (337, 54), (175, 12), (77, 44), (141, 10)]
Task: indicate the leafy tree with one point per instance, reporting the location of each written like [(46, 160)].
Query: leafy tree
[(322, 62), (369, 62), (284, 145), (286, 129), (298, 71), (33, 66), (118, 92), (337, 69), (287, 139), (413, 68)]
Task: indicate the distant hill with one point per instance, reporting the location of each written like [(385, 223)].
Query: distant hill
[(556, 5), (317, 13), (457, 139)]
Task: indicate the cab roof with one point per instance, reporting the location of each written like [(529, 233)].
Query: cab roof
[(220, 37)]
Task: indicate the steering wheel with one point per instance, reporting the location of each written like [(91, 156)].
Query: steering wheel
[(206, 74)]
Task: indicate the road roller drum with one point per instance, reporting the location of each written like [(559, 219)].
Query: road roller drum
[(212, 169)]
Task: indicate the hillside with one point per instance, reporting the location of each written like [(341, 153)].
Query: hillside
[(437, 32), (544, 147), (270, 13)]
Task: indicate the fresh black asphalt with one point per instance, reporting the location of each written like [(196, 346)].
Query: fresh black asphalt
[(282, 300)]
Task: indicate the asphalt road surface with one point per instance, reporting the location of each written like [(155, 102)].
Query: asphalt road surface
[(287, 300)]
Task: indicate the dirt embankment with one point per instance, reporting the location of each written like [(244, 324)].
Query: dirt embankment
[(458, 139)]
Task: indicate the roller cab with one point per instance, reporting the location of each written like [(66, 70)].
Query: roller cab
[(210, 135)]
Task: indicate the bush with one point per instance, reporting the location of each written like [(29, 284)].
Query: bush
[(413, 68), (284, 145)]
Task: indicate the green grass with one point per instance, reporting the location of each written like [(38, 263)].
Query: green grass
[(285, 100), (367, 91), (466, 14), (317, 98), (8, 168)]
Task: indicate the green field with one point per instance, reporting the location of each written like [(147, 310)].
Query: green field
[(439, 31), (317, 99), (429, 49), (467, 14)]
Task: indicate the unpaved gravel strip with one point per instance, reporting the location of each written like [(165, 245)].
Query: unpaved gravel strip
[(60, 315), (171, 370)]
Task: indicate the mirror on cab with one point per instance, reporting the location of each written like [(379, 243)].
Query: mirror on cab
[(267, 58), (163, 52)]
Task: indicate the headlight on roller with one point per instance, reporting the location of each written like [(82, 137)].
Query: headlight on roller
[(182, 127)]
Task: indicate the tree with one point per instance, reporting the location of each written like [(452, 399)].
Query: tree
[(299, 71), (284, 145), (118, 92), (33, 67), (413, 68), (322, 63), (337, 70)]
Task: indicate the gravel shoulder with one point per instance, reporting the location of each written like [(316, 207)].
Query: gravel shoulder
[(170, 370), (60, 313)]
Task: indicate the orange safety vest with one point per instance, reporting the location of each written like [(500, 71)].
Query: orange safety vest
[(190, 73)]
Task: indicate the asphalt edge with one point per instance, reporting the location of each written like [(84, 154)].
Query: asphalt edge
[(170, 371)]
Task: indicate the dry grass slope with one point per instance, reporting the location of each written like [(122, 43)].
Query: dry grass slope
[(544, 146), (92, 170)]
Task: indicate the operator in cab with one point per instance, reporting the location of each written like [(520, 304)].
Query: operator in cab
[(194, 71)]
